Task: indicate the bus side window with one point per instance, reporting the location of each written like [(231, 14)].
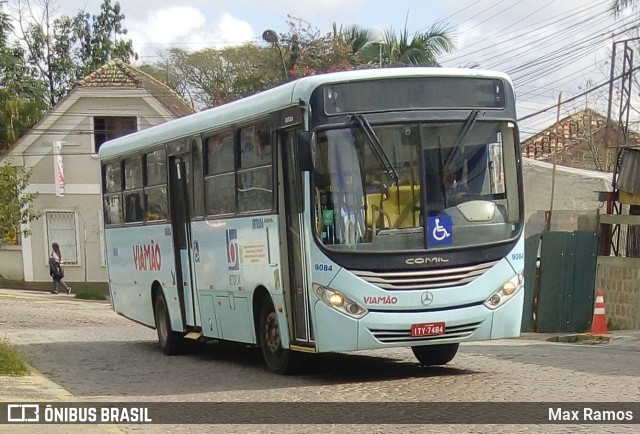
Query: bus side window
[(112, 209), (112, 182), (133, 209), (220, 179)]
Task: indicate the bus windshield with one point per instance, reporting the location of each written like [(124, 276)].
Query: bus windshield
[(454, 184)]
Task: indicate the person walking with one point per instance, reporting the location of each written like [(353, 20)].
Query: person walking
[(55, 269)]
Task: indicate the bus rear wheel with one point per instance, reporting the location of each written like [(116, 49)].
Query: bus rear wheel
[(278, 359), (429, 355), (171, 342)]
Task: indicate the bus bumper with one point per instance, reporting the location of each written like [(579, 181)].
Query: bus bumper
[(393, 329)]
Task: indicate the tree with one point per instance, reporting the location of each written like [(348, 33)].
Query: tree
[(420, 50), (617, 6), (17, 116), (395, 49), (21, 104), (64, 49), (359, 41), (15, 205), (211, 77), (95, 35), (310, 52)]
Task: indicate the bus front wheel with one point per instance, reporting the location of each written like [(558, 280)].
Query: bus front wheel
[(170, 341), (429, 355), (278, 359)]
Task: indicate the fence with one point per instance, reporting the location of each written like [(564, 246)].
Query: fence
[(560, 272)]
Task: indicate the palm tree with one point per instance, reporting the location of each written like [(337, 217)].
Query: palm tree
[(420, 50), (617, 6), (358, 39)]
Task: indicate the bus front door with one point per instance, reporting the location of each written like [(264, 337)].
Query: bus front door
[(293, 256), (180, 223)]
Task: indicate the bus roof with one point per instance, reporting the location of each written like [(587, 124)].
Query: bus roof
[(267, 101)]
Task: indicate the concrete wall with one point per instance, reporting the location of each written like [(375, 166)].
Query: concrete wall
[(575, 195), (11, 263), (619, 279)]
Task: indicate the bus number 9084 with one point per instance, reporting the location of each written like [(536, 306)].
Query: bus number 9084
[(323, 267)]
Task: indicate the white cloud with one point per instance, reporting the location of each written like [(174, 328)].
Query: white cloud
[(174, 23), (230, 30), (309, 10), (185, 27)]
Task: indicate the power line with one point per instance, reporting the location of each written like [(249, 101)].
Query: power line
[(577, 96)]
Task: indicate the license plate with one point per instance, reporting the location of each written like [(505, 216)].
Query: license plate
[(427, 329)]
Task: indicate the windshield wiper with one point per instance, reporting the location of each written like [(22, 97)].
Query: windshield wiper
[(471, 119), (376, 147)]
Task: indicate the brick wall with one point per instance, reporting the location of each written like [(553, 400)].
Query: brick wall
[(619, 279)]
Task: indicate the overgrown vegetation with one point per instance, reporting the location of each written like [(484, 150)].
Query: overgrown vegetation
[(16, 206), (11, 362), (90, 294)]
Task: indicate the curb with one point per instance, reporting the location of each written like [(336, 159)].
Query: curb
[(582, 338), (59, 393)]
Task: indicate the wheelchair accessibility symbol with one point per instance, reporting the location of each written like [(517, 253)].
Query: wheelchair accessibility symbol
[(440, 230)]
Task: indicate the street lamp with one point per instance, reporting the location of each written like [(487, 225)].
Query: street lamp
[(271, 37)]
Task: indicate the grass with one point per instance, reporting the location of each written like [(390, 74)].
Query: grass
[(90, 294), (612, 325), (11, 362)]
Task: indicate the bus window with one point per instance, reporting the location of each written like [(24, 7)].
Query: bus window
[(155, 190), (220, 182), (197, 202), (113, 209), (221, 190), (156, 203), (255, 189), (156, 167), (220, 154), (255, 145), (133, 211), (255, 192), (112, 177), (113, 198)]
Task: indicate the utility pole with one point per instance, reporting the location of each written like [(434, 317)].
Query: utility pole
[(547, 222)]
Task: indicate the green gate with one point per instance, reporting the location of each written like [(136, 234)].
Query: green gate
[(560, 283)]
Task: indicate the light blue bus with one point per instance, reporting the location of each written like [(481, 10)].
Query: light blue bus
[(347, 211)]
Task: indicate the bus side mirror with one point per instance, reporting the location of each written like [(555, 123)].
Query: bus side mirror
[(305, 159)]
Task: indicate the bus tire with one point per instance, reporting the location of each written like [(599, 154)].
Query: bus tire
[(171, 342), (279, 360), (429, 355)]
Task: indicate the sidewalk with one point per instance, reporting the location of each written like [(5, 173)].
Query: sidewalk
[(618, 338)]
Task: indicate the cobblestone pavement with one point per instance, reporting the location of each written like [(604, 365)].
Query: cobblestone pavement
[(96, 355)]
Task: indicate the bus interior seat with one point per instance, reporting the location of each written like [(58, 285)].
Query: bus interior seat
[(399, 207)]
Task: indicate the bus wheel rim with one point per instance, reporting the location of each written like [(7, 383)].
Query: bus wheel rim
[(272, 333)]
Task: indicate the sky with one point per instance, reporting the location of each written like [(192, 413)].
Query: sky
[(546, 46)]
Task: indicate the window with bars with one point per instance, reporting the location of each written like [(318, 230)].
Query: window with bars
[(61, 229)]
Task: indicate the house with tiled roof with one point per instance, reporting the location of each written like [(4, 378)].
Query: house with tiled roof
[(577, 141), (61, 149), (584, 168)]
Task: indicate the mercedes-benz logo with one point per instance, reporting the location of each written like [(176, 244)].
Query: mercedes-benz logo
[(427, 298)]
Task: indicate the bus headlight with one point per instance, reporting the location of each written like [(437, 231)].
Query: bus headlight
[(338, 301), (505, 292)]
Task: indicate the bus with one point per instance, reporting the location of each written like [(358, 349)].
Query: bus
[(347, 211)]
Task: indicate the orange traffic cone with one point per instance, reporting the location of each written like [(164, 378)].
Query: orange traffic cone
[(599, 324)]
